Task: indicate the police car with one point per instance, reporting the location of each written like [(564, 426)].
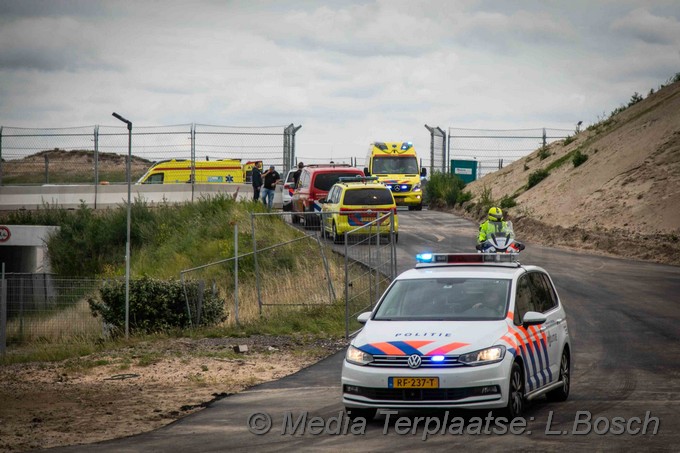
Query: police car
[(358, 201), (478, 331)]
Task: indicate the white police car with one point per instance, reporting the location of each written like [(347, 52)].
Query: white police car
[(478, 331)]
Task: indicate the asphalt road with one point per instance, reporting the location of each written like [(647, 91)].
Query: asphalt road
[(624, 318)]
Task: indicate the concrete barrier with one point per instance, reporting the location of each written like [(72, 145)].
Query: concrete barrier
[(72, 196)]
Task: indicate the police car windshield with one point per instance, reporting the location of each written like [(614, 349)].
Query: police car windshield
[(445, 299), (395, 164)]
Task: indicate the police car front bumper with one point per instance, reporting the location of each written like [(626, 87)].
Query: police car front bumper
[(480, 387)]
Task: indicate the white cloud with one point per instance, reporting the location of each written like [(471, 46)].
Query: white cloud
[(349, 72), (645, 26)]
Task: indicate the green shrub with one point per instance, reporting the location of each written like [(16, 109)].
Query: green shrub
[(507, 202), (543, 153), (464, 197), (568, 139), (536, 177), (156, 305), (579, 158), (634, 99), (443, 189)]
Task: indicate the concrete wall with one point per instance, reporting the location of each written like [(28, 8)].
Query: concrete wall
[(71, 196), (25, 249)]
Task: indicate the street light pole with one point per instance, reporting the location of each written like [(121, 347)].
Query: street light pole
[(129, 215)]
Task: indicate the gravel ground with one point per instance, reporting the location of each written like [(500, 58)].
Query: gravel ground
[(139, 388)]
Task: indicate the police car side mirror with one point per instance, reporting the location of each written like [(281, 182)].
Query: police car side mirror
[(521, 246), (423, 172), (366, 172), (533, 318), (323, 200), (365, 316)]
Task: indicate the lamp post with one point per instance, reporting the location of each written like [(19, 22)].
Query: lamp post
[(129, 215)]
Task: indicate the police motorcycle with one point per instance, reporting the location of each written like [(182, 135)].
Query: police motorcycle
[(500, 240)]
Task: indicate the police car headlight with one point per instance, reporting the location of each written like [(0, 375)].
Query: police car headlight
[(484, 356), (358, 357), (416, 188)]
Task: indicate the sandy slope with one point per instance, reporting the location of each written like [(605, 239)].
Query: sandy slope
[(628, 190)]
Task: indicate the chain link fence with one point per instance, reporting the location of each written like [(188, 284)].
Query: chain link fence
[(47, 308), (494, 149), (95, 154)]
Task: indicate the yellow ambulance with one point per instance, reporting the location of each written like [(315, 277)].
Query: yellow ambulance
[(396, 165), (178, 171)]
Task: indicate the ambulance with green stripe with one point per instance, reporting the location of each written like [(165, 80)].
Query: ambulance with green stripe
[(396, 165), (476, 331)]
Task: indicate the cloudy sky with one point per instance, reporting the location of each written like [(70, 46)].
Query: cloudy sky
[(349, 72)]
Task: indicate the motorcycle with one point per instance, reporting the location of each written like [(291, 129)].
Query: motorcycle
[(502, 240)]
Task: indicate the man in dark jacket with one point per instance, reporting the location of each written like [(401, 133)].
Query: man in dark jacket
[(271, 179), (256, 179)]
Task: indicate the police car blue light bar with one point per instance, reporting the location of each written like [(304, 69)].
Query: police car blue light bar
[(466, 258)]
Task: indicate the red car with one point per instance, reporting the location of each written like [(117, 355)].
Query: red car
[(315, 182)]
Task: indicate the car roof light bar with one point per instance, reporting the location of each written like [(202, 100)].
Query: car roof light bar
[(466, 258)]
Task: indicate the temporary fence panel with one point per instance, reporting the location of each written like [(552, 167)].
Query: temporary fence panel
[(370, 266), (47, 308)]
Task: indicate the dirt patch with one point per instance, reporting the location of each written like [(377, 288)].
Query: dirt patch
[(140, 388)]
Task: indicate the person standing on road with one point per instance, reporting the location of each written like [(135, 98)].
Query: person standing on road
[(256, 180), (271, 178), (296, 175)]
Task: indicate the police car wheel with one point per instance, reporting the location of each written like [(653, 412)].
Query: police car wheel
[(516, 400), (419, 207), (354, 413), (562, 393), (411, 208)]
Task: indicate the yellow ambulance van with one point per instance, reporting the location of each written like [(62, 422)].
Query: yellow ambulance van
[(396, 165), (178, 171)]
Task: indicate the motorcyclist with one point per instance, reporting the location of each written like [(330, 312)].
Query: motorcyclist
[(494, 223)]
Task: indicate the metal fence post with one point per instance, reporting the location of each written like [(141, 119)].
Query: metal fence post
[(96, 164), (199, 301), (3, 312), (47, 169), (370, 274), (346, 291), (377, 265), (236, 273), (257, 269), (393, 247), (193, 160), (545, 139)]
